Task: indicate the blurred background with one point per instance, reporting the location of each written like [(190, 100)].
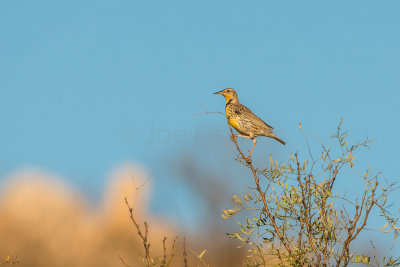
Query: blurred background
[(88, 86)]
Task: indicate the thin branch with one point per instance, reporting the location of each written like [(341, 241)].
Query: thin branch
[(206, 112), (184, 253), (308, 144), (164, 260), (261, 192), (137, 188), (146, 244), (172, 252), (375, 258), (306, 207), (144, 235), (123, 262)]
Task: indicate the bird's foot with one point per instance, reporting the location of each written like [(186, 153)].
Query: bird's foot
[(248, 159), (233, 138)]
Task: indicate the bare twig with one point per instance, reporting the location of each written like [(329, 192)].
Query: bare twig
[(164, 260), (206, 112), (375, 258), (144, 235), (308, 144), (144, 238), (137, 188), (123, 262), (184, 253), (306, 207), (172, 252), (353, 230), (261, 192)]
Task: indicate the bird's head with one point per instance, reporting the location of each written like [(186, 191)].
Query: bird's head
[(229, 94)]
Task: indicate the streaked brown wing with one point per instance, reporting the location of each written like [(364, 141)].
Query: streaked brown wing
[(254, 118)]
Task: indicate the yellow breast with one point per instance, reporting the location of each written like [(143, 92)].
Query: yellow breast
[(233, 121)]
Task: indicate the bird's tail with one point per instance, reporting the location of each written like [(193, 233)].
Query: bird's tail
[(278, 139)]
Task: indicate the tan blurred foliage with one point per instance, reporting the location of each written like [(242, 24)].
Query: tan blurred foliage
[(47, 223)]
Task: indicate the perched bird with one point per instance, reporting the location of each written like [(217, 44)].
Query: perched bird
[(244, 121)]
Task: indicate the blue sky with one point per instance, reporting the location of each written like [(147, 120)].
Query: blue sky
[(83, 83)]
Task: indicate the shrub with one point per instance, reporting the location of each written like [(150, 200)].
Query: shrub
[(298, 217)]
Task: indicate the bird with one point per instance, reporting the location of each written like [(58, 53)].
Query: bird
[(244, 121)]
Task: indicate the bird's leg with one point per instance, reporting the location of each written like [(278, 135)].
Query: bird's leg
[(254, 144), (234, 137), (245, 136)]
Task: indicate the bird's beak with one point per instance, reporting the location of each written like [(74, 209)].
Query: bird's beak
[(219, 93)]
